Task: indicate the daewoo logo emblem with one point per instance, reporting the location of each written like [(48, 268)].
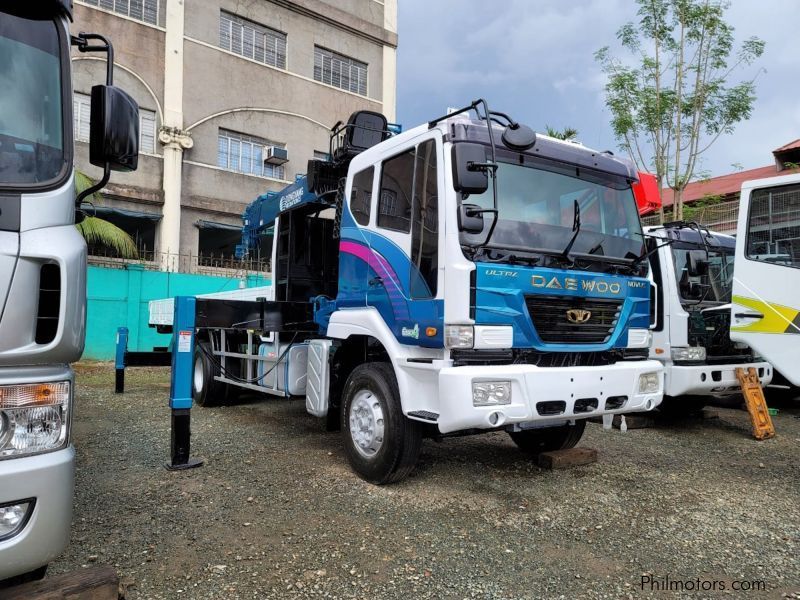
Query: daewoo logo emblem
[(578, 315)]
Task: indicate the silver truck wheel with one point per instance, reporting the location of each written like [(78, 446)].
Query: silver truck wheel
[(198, 378), (366, 423)]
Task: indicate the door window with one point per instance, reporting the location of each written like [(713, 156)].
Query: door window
[(361, 196), (394, 203), (424, 231), (773, 226)]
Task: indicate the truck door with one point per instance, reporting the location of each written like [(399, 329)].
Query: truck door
[(766, 285), (403, 284)]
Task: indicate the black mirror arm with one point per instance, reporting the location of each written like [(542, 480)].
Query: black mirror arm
[(82, 42), (96, 187), (484, 166)]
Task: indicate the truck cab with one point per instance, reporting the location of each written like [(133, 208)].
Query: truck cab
[(693, 272), (43, 272), (765, 311), (462, 277)]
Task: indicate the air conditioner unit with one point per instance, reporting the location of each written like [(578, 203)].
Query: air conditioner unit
[(273, 155)]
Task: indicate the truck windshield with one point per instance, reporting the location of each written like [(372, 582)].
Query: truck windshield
[(536, 211), (714, 286), (31, 103)]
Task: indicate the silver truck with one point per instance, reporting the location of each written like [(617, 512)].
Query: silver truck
[(43, 269)]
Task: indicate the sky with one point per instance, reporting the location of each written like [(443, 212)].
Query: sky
[(534, 59)]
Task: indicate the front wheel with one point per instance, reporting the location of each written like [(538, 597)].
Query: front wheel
[(535, 441), (381, 443)]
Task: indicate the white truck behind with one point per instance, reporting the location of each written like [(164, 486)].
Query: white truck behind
[(693, 271)]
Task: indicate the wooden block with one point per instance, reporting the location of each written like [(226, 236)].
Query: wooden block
[(95, 583), (708, 413), (572, 457)]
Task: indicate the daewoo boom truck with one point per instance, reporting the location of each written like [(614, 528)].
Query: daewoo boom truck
[(465, 276), (693, 272), (765, 313), (43, 269)]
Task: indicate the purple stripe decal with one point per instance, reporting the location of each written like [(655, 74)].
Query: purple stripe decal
[(379, 264)]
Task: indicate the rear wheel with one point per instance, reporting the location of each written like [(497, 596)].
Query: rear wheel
[(381, 443), (206, 391), (535, 441)]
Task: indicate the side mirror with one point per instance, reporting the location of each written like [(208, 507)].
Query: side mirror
[(470, 218), (114, 129), (468, 179), (696, 263)]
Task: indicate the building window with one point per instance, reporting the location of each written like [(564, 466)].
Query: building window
[(141, 10), (217, 242), (81, 111), (245, 154), (252, 40), (147, 131), (340, 71)]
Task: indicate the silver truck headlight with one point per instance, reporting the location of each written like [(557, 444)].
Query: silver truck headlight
[(649, 383), (34, 418), (697, 353), (459, 337), (491, 393)]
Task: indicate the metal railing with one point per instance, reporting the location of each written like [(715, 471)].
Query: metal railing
[(720, 217), (200, 264)]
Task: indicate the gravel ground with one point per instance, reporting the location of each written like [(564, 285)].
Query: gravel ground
[(276, 512)]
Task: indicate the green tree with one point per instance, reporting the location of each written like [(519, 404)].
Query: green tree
[(568, 133), (99, 231), (672, 96)]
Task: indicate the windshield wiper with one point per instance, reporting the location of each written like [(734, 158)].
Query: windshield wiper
[(576, 228)]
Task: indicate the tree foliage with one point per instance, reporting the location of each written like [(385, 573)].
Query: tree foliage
[(99, 231), (673, 95), (568, 133)]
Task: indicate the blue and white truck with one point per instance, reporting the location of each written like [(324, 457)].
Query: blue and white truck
[(467, 275)]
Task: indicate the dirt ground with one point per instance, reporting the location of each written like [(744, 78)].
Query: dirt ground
[(275, 512)]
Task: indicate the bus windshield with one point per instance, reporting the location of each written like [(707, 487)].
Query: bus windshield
[(31, 102), (536, 206)]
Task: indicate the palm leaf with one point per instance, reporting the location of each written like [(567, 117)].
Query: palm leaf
[(84, 182), (102, 232), (567, 134)]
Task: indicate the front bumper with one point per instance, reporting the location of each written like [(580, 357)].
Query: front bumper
[(49, 479), (535, 390), (708, 380)]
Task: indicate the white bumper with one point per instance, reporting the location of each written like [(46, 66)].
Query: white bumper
[(537, 393), (707, 380)]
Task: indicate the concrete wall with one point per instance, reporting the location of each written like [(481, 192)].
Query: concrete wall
[(224, 90), (120, 297)]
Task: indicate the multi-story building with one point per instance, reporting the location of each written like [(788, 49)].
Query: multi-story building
[(235, 97)]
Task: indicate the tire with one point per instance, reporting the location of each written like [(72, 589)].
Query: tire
[(682, 406), (205, 390), (371, 399), (35, 575), (535, 441)]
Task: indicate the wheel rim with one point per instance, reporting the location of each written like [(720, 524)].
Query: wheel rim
[(366, 423), (199, 376)]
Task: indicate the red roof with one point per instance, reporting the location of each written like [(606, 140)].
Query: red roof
[(789, 146), (723, 185)]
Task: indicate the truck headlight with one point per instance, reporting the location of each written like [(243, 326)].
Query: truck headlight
[(13, 518), (491, 393), (649, 383), (458, 336), (34, 418), (696, 353)]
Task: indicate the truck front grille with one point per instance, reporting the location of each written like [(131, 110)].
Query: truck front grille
[(549, 315)]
